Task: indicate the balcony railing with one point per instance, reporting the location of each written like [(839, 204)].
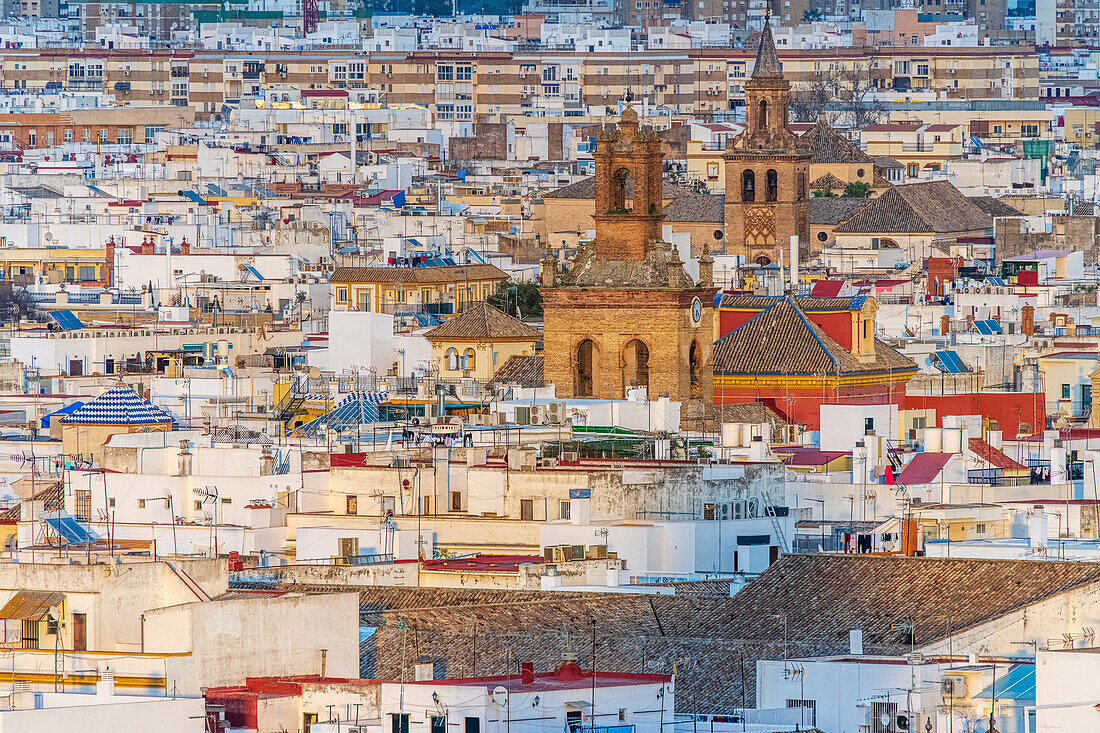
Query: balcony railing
[(995, 477)]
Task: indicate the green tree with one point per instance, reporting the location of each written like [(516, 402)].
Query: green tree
[(517, 299), (824, 193), (857, 190), (812, 16)]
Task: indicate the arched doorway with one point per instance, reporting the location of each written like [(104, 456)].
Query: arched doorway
[(586, 374), (635, 365), (763, 260)]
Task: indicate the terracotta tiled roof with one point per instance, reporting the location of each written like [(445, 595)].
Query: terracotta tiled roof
[(879, 181), (827, 181), (415, 275), (525, 371), (783, 340), (994, 207), (805, 303), (683, 204), (933, 206), (751, 412), (53, 497), (983, 450), (830, 211), (827, 145), (483, 322), (702, 207), (819, 596)]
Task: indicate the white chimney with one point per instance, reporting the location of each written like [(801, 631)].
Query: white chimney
[(855, 641), (794, 264), (1037, 528), (995, 438), (424, 670), (758, 450)]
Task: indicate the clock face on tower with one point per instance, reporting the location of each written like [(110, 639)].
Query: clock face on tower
[(696, 310)]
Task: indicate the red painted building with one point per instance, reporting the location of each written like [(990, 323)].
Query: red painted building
[(796, 353), (1008, 409)]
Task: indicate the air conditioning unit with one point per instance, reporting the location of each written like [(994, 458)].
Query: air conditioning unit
[(953, 686), (738, 509), (401, 462), (555, 413)]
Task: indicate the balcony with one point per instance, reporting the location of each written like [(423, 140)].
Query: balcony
[(995, 477)]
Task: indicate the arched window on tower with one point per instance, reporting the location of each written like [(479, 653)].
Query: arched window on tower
[(771, 190), (748, 185), (762, 116), (801, 186), (619, 183), (452, 359), (469, 359)]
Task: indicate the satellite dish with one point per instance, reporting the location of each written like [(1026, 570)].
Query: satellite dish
[(314, 372), (48, 237), (54, 614), (500, 695)]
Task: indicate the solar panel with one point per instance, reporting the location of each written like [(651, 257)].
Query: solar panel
[(66, 320), (73, 531), (994, 327), (950, 363), (982, 327)]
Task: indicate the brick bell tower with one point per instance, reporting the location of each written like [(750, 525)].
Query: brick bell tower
[(766, 169), (626, 314)]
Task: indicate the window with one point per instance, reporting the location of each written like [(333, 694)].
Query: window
[(452, 359), (979, 529), (527, 510), (125, 136), (712, 170), (341, 295), (771, 193), (399, 722), (473, 725), (141, 503), (352, 502), (1065, 391), (198, 505), (349, 546), (30, 634), (69, 135), (809, 710), (469, 359), (456, 501), (439, 724), (622, 715), (104, 134), (445, 73), (111, 502), (86, 134), (564, 510), (748, 186), (83, 504)]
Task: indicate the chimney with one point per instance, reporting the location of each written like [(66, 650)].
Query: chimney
[(527, 673), (109, 263), (267, 461), (794, 264), (146, 245), (1027, 315), (945, 325), (1037, 529), (855, 641), (185, 247), (424, 670), (758, 451), (184, 459)]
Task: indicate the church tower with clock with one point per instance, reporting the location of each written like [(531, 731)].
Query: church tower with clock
[(626, 314)]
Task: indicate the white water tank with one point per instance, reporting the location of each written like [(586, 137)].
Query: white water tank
[(932, 440)]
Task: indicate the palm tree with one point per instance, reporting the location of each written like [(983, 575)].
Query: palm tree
[(812, 15)]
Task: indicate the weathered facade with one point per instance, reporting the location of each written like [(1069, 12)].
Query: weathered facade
[(627, 314), (767, 172)]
